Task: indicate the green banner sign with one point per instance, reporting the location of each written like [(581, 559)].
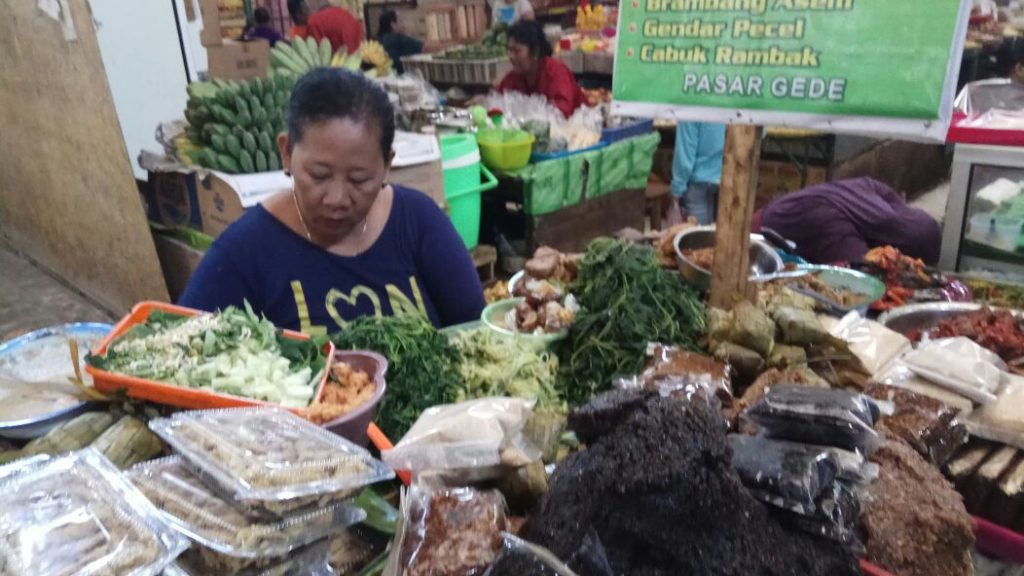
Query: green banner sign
[(884, 67)]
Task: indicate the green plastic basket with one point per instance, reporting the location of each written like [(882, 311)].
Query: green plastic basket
[(464, 208)]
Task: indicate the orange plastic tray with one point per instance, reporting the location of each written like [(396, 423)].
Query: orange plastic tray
[(170, 394)]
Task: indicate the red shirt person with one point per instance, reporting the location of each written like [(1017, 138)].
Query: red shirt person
[(337, 25), (534, 71)]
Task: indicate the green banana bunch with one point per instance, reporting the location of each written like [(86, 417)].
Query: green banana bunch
[(234, 125), (301, 56)]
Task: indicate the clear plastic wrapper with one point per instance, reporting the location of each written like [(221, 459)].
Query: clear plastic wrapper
[(213, 522), (77, 516), (475, 435), (269, 460), (959, 365), (788, 475), (448, 531), (521, 558), (821, 416), (311, 560)]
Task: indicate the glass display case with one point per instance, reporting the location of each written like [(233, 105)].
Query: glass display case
[(983, 231)]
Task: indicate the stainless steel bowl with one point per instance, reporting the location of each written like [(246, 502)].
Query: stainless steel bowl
[(764, 259), (906, 319)]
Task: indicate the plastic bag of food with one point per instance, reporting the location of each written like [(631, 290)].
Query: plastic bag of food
[(900, 375), (521, 558), (821, 416), (671, 370), (874, 344), (834, 515), (449, 531), (854, 468), (788, 475), (474, 435), (1002, 420), (960, 365), (926, 424)]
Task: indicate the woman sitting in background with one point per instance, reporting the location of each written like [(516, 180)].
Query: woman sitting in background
[(396, 43), (536, 71), (343, 243)]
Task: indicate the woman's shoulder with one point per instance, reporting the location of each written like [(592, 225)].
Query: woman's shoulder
[(255, 228), (414, 202)]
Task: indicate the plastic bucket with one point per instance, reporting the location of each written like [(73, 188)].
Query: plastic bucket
[(464, 208), (460, 162)]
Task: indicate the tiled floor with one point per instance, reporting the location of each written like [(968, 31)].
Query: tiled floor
[(30, 298)]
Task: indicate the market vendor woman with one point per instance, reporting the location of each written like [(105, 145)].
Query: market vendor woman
[(343, 243), (535, 71)]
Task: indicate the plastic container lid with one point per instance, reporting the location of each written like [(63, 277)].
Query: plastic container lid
[(77, 515), (268, 454), (211, 521)]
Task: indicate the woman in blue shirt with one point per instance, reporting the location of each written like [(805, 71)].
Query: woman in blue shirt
[(343, 243)]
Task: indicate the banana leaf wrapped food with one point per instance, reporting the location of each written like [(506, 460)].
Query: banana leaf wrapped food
[(746, 325), (745, 362), (799, 327)]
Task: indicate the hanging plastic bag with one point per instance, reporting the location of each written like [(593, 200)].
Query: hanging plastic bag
[(521, 558), (477, 435), (821, 416)]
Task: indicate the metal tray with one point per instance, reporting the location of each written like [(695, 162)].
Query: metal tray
[(906, 319), (16, 359)]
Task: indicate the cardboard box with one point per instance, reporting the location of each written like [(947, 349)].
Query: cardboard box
[(178, 261), (219, 23), (171, 198), (775, 179), (223, 198), (238, 60)]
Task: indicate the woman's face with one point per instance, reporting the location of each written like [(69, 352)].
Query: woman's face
[(523, 62), (339, 171)]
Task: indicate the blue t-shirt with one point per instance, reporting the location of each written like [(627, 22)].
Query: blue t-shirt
[(418, 265)]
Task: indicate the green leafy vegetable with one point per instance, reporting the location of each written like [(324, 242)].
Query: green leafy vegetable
[(494, 365), (627, 300), (423, 367), (232, 352)]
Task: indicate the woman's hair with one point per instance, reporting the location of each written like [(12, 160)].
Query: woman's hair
[(334, 93), (531, 35), (387, 22), (261, 15)]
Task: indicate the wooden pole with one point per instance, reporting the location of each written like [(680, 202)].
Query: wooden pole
[(735, 212)]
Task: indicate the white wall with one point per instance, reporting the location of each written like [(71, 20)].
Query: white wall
[(142, 54)]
